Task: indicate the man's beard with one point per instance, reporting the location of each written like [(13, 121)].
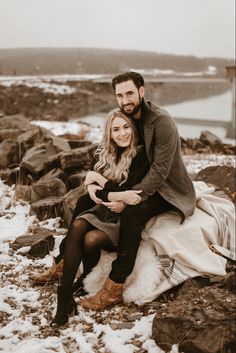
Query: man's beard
[(135, 109)]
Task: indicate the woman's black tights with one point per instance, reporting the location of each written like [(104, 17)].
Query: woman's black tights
[(83, 244)]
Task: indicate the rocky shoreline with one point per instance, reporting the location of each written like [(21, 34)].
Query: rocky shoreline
[(61, 100)]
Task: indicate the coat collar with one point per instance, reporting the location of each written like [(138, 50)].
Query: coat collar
[(147, 115), (148, 118)]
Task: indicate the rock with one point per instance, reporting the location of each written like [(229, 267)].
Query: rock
[(201, 321), (49, 207), (77, 159), (40, 241), (45, 188), (209, 138), (16, 176), (191, 284), (60, 144), (222, 177), (38, 158), (78, 143), (122, 325), (53, 173), (207, 143), (134, 317), (9, 153), (23, 192), (70, 200), (191, 145), (77, 179), (32, 137), (10, 134), (15, 122), (229, 282)]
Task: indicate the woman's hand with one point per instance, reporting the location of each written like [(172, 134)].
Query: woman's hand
[(94, 177), (92, 188), (115, 206)]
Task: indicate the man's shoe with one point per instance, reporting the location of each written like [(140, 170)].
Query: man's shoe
[(53, 274), (109, 295)]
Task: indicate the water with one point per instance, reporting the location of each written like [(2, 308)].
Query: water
[(212, 108), (215, 108)]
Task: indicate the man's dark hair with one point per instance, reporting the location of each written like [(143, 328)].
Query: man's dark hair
[(128, 76)]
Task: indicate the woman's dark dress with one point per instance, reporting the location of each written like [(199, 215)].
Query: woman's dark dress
[(102, 217)]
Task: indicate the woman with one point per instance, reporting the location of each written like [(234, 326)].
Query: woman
[(120, 164)]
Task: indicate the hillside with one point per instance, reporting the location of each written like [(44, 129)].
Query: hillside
[(29, 61)]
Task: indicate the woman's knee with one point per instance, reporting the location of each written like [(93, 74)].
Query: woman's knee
[(91, 239), (79, 226)]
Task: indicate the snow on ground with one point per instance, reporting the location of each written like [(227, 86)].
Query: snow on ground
[(26, 311), (91, 132), (48, 87)]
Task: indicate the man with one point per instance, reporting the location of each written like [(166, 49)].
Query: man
[(166, 185)]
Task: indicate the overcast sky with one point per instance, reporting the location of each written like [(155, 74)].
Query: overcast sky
[(195, 27)]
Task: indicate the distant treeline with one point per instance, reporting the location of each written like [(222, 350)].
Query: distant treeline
[(31, 61)]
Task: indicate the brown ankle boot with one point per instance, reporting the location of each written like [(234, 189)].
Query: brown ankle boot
[(109, 295), (53, 274)]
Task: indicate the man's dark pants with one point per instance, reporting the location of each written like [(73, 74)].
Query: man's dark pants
[(132, 223)]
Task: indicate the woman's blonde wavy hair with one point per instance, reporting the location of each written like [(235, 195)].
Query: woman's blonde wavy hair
[(106, 153)]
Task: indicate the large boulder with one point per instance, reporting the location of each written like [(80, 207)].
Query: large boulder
[(222, 177), (45, 188), (76, 179), (201, 321), (9, 153), (70, 200), (49, 207), (35, 135), (37, 243), (39, 159), (209, 138), (77, 159)]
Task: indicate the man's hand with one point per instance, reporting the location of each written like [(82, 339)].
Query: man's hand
[(92, 188), (131, 197), (115, 206)]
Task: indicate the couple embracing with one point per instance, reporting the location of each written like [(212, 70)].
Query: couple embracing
[(138, 173)]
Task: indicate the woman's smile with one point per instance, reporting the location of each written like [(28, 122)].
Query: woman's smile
[(121, 132)]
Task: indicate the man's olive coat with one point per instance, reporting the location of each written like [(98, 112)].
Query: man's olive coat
[(167, 174)]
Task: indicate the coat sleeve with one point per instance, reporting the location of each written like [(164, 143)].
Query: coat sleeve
[(138, 169), (164, 145)]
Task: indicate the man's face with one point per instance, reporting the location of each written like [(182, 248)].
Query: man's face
[(129, 97)]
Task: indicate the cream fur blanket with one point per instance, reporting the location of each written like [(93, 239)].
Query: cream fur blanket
[(171, 252)]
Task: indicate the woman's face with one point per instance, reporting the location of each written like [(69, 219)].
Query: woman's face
[(121, 132)]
